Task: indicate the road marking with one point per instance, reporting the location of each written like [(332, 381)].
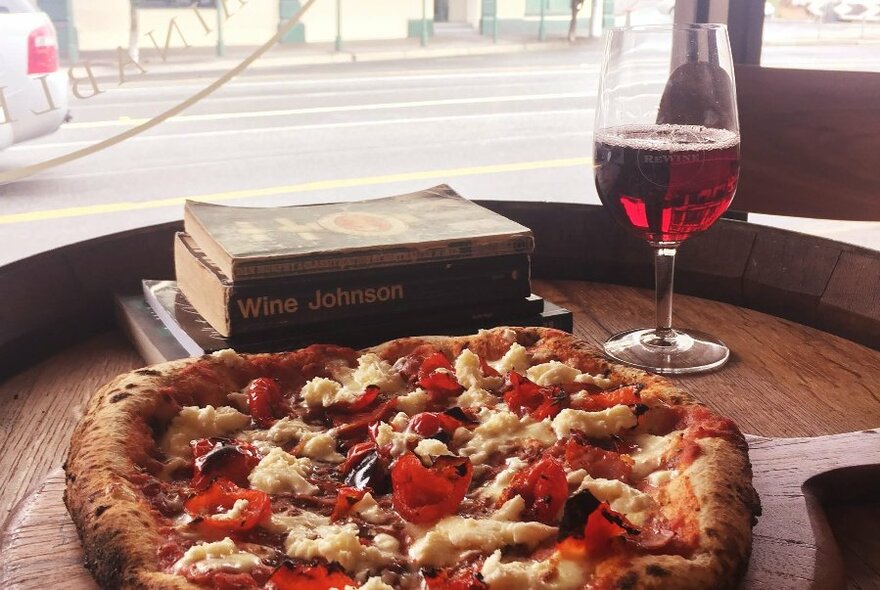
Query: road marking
[(266, 130), (335, 109), (317, 185), (396, 76)]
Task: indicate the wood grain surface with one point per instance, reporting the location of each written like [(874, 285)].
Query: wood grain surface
[(784, 380)]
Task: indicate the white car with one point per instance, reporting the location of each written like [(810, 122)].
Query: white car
[(34, 98)]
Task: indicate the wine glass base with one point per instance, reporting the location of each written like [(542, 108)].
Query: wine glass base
[(686, 352)]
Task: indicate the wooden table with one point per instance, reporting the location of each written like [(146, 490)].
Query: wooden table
[(784, 380)]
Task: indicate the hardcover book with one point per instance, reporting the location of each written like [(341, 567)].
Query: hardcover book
[(248, 306), (429, 225), (170, 309)]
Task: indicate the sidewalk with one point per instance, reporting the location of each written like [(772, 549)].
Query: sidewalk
[(203, 61)]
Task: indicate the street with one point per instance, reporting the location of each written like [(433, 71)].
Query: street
[(516, 126)]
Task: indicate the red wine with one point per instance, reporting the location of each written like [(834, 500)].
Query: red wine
[(666, 182)]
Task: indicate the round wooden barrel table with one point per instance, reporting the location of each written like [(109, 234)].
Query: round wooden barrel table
[(800, 314)]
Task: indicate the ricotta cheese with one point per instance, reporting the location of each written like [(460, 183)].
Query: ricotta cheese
[(651, 451), (622, 498), (320, 446), (661, 478), (224, 555), (397, 442), (493, 489), (323, 392), (501, 431), (413, 402), (597, 380), (194, 422), (339, 543), (372, 370), (552, 373), (431, 447), (370, 511), (515, 359), (282, 473), (476, 397), (594, 424), (282, 432), (228, 357), (468, 372), (444, 543), (552, 574)]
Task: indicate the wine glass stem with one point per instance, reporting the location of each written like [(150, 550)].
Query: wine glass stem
[(664, 269)]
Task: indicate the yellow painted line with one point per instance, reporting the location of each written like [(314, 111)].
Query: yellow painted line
[(128, 122), (318, 185)]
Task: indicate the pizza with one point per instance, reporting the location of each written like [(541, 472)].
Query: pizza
[(510, 459)]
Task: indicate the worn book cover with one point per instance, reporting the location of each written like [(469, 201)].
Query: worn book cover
[(197, 337), (248, 306), (429, 225)]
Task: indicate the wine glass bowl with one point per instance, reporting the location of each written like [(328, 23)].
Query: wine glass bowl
[(666, 165)]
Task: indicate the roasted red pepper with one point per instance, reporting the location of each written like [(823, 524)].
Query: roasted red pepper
[(525, 397), (209, 509), (308, 577), (265, 401), (215, 457), (346, 497), (424, 495), (364, 401), (627, 395), (544, 488), (437, 377), (466, 578)]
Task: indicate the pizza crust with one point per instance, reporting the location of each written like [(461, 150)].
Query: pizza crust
[(119, 430)]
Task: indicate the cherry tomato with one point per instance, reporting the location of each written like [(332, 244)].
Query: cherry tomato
[(356, 426), (589, 526), (627, 395), (525, 397), (430, 424), (345, 499), (544, 488), (265, 401), (211, 505), (215, 457), (454, 579), (437, 376), (308, 577), (424, 495)]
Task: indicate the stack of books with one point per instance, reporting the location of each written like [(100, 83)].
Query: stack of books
[(355, 274)]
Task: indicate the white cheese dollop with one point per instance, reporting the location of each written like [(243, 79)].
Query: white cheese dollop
[(413, 402), (443, 543), (552, 373), (320, 446), (501, 431), (224, 555), (554, 573), (627, 500), (194, 422), (339, 543), (515, 359), (282, 473), (594, 424)]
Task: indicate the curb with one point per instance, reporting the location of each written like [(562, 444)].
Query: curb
[(109, 73)]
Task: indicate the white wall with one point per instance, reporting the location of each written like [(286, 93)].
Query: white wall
[(103, 24), (363, 19)]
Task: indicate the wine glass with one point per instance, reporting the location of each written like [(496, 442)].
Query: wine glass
[(666, 164)]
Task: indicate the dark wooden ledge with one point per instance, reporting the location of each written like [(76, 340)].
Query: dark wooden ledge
[(57, 298)]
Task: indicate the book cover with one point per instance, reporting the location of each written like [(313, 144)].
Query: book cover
[(248, 306), (433, 224), (197, 337), (150, 337)]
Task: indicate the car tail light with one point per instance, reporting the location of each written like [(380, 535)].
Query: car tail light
[(43, 50)]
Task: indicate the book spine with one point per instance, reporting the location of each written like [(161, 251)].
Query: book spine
[(454, 250), (261, 306)]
